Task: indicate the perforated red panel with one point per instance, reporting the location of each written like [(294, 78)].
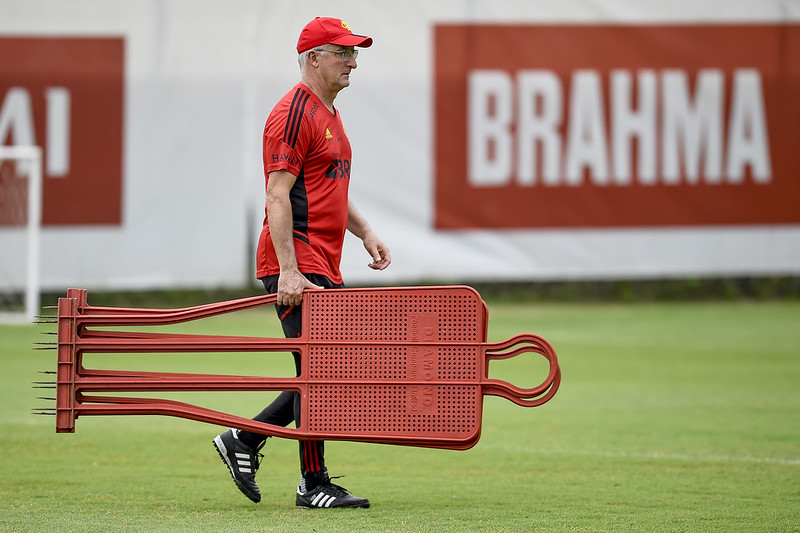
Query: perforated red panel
[(414, 353), (437, 411), (394, 363), (403, 315), (359, 362)]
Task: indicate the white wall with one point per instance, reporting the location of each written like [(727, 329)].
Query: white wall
[(201, 77)]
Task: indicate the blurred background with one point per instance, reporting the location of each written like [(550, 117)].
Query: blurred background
[(501, 141)]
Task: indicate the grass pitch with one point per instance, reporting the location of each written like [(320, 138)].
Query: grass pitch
[(670, 417)]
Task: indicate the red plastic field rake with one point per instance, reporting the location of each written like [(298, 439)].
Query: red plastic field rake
[(406, 366)]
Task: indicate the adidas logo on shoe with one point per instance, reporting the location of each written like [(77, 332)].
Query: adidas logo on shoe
[(328, 495)]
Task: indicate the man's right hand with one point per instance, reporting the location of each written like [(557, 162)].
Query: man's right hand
[(291, 285)]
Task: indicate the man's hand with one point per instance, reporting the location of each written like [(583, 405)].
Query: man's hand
[(378, 251), (291, 285), (381, 258)]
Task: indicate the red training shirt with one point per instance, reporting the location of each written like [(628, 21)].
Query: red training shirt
[(303, 137)]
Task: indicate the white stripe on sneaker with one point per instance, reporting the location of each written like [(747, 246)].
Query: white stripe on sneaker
[(324, 501)]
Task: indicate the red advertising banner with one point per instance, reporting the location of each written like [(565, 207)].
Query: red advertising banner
[(592, 126), (66, 95)]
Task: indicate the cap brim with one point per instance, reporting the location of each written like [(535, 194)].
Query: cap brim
[(353, 40)]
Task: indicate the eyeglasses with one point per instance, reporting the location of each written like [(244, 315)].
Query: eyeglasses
[(347, 55)]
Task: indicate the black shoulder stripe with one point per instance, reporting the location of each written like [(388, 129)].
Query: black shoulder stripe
[(289, 118), (306, 96), (296, 111)]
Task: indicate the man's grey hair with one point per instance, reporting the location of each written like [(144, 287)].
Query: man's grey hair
[(301, 59)]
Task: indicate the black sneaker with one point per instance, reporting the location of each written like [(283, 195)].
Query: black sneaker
[(328, 495), (242, 461)]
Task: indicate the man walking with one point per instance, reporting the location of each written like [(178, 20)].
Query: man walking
[(307, 169)]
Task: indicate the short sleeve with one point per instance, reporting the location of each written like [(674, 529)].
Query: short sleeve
[(280, 156), (287, 134)]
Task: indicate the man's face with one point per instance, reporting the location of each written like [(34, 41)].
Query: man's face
[(334, 71)]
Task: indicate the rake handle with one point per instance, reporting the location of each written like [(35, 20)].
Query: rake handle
[(106, 405), (516, 345), (119, 316)]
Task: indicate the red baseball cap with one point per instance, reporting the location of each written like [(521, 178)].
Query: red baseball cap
[(324, 30)]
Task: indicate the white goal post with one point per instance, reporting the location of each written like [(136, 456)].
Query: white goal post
[(32, 155)]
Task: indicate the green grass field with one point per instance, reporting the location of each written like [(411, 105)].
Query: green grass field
[(671, 417)]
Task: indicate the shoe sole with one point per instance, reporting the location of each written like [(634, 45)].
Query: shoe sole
[(363, 504), (222, 451), (360, 506)]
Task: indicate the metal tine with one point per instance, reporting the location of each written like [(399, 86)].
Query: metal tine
[(45, 343), (50, 307), (46, 322), (44, 347), (48, 332), (44, 384), (45, 316), (43, 412), (45, 398), (48, 372)]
